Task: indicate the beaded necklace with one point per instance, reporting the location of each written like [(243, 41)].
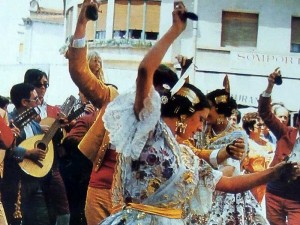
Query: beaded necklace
[(212, 136)]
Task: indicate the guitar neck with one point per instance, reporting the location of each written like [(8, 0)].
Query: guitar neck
[(24, 118), (76, 113), (56, 125), (68, 105), (51, 132)]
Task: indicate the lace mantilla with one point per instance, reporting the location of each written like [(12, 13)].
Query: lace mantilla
[(128, 134)]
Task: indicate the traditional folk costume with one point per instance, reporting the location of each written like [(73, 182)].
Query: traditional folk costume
[(240, 208), (157, 180)]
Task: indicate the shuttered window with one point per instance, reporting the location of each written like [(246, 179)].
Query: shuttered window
[(152, 16), (130, 17), (101, 22), (136, 14), (120, 15), (239, 29), (295, 34)]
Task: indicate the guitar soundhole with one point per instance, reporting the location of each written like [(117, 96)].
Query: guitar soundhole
[(41, 146)]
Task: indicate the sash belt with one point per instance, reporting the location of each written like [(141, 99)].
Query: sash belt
[(165, 212)]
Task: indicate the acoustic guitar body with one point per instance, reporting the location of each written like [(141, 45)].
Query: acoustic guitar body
[(39, 168)]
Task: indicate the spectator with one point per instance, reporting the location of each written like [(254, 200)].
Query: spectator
[(261, 151), (235, 117), (282, 197), (281, 112)]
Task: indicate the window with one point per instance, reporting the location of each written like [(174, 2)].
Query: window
[(100, 34), (295, 34), (152, 20), (136, 19), (135, 34), (151, 35), (239, 29), (119, 34), (120, 17), (101, 22)]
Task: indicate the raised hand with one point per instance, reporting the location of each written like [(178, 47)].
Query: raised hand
[(179, 18), (271, 79), (86, 6)]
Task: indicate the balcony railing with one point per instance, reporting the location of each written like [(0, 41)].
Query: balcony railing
[(121, 43)]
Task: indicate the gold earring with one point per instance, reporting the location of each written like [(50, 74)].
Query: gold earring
[(181, 124), (220, 119)]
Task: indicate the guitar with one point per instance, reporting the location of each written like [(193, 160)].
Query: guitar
[(44, 141), (7, 136)]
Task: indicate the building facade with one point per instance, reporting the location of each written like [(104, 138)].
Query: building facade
[(245, 40)]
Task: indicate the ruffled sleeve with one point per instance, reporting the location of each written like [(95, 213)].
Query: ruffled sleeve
[(126, 132)]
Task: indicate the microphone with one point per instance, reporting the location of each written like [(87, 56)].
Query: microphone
[(191, 16)]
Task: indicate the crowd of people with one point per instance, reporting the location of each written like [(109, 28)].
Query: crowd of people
[(163, 153)]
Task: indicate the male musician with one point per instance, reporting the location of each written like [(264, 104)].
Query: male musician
[(49, 113), (282, 198), (23, 97), (39, 80), (34, 204)]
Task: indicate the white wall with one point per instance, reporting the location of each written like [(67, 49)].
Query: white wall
[(11, 13), (53, 4), (43, 42)]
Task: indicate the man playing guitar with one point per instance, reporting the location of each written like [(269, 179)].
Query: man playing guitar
[(19, 187)]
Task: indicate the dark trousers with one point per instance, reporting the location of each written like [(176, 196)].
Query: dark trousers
[(35, 210), (75, 170)]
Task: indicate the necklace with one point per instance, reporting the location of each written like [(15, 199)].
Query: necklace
[(213, 136), (225, 130)]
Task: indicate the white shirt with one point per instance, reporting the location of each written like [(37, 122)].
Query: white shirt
[(43, 108), (295, 154)]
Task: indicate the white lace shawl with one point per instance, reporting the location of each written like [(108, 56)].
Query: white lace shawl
[(128, 134), (202, 200)]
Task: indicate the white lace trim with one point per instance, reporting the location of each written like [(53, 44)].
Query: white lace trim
[(127, 133)]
